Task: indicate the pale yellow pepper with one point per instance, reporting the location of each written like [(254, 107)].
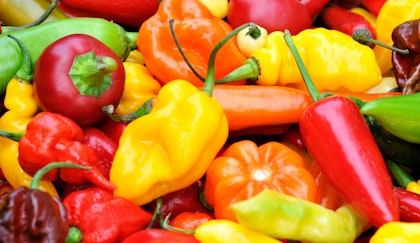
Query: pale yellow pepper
[(397, 232)]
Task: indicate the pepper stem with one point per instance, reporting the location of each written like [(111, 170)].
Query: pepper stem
[(15, 136), (143, 110), (47, 168), (401, 176), (313, 91), (364, 37), (24, 73)]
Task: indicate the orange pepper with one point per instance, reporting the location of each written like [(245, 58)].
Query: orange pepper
[(198, 32), (245, 169)]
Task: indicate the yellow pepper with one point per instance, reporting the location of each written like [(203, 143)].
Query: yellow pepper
[(135, 56), (223, 230), (218, 8), (392, 14), (250, 39), (365, 13), (413, 186), (397, 232), (140, 86), (333, 59)]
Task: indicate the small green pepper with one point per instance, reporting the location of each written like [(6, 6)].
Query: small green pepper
[(399, 115), (286, 217)]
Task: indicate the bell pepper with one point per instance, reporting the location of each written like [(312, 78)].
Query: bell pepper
[(398, 115), (101, 217), (286, 217), (334, 61), (53, 137), (406, 66), (223, 230), (140, 86), (160, 235), (339, 140), (21, 107), (191, 19), (244, 169), (391, 14), (403, 232)]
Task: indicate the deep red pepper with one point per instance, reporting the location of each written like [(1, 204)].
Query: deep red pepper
[(374, 6), (339, 139), (409, 205), (113, 129), (102, 217), (51, 137), (314, 7), (160, 236)]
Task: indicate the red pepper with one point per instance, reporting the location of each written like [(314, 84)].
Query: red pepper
[(76, 76), (409, 205), (160, 236), (130, 13), (104, 147), (190, 220), (374, 6), (113, 129), (51, 137), (102, 217), (314, 7), (340, 141)]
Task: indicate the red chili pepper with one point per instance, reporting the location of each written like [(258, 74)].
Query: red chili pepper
[(339, 139), (374, 6), (113, 129), (409, 205), (314, 7), (160, 236), (102, 217), (51, 137), (190, 220)]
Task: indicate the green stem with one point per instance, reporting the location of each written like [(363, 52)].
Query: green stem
[(313, 91), (401, 176), (50, 166), (364, 37), (74, 235), (146, 108), (15, 136), (250, 70), (24, 73)]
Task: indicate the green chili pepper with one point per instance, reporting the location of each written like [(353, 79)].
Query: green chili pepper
[(399, 115), (286, 217), (37, 38)]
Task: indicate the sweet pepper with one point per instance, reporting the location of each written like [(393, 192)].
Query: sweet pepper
[(191, 20), (286, 217), (334, 61)]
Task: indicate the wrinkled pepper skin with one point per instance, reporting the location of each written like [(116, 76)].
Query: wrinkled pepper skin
[(31, 215), (191, 20), (171, 147), (339, 140), (402, 232)]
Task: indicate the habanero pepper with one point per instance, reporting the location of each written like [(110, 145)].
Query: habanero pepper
[(244, 169), (191, 19), (338, 138), (190, 220)]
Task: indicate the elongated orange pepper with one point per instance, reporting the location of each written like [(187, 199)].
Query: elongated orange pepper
[(197, 30), (245, 169)]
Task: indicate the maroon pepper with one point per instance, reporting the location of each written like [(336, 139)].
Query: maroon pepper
[(409, 205)]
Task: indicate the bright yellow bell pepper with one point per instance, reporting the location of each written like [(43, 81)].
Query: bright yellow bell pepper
[(333, 59), (140, 86), (392, 14), (397, 232)]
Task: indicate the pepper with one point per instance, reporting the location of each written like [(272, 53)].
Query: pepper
[(53, 137), (191, 19), (314, 6), (160, 235), (407, 66), (244, 169), (218, 8), (374, 6), (21, 108), (190, 220), (392, 14), (397, 232), (286, 217), (398, 115), (223, 230), (409, 205), (37, 38), (339, 140), (101, 217), (250, 39), (334, 60), (29, 215)]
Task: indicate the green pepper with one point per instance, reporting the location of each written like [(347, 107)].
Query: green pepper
[(399, 115), (37, 38), (286, 217)]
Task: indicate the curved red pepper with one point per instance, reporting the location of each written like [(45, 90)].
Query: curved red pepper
[(409, 204)]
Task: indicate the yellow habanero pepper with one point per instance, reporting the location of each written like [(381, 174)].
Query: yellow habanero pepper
[(397, 232), (140, 86), (21, 105), (392, 14), (334, 61)]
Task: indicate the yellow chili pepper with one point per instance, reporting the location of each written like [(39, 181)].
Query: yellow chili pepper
[(140, 86), (334, 61), (392, 14), (222, 231), (397, 232), (413, 186)]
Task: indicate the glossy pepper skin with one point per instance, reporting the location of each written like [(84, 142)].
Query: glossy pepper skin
[(397, 232), (160, 235), (191, 19), (51, 137), (244, 169), (399, 115), (286, 217), (409, 205), (132, 13), (330, 57), (102, 217), (407, 66)]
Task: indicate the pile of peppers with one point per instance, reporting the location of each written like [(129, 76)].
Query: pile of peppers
[(181, 121)]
